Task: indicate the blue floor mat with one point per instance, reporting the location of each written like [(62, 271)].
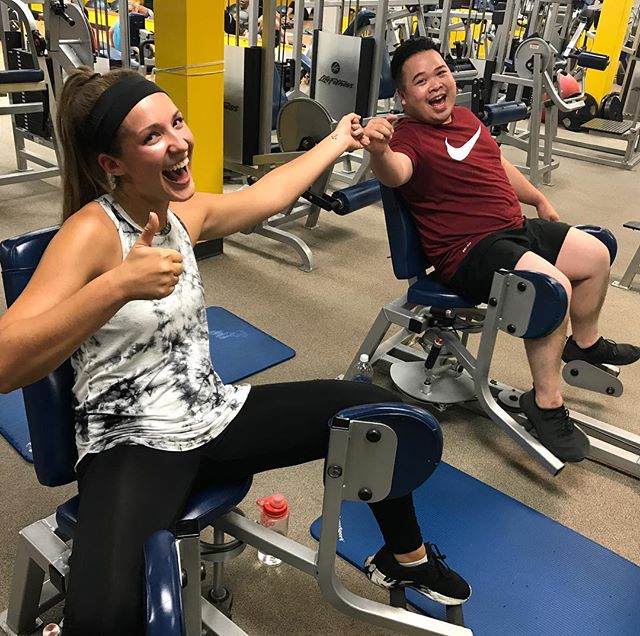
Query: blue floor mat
[(238, 350), (530, 575)]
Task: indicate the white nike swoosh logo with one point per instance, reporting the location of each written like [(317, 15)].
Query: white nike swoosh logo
[(460, 154)]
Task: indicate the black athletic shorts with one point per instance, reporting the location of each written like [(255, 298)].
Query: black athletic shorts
[(502, 250)]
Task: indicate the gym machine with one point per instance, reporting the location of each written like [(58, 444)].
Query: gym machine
[(608, 119), (28, 81), (431, 362), (298, 121)]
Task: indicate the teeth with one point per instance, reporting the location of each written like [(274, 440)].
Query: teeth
[(182, 164)]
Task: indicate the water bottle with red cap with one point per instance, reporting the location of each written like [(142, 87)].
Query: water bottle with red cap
[(274, 514)]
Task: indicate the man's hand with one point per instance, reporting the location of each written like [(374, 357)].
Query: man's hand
[(378, 133), (546, 211)]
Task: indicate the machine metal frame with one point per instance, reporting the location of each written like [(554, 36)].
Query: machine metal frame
[(610, 445)]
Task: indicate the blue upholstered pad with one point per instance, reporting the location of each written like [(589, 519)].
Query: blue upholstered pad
[(530, 575), (429, 291), (204, 505), (419, 440), (162, 586), (238, 350), (23, 75), (357, 196)]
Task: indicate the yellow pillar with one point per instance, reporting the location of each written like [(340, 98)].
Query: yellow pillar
[(609, 39), (189, 38)]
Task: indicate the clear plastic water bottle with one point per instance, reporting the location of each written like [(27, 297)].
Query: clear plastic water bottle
[(364, 370), (274, 514)]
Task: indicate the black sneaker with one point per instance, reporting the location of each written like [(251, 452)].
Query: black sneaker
[(555, 430), (602, 352), (435, 579)]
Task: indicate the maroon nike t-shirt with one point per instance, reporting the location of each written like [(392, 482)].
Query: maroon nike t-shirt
[(459, 192)]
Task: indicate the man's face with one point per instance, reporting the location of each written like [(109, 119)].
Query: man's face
[(428, 90)]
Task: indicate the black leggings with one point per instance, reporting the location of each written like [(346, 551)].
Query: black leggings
[(129, 492)]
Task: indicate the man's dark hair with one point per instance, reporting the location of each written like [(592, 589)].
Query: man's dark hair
[(405, 51)]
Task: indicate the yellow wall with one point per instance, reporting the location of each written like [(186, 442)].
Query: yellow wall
[(190, 67), (609, 39)]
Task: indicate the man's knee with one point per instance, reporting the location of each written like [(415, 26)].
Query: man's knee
[(583, 257), (599, 256), (534, 262)]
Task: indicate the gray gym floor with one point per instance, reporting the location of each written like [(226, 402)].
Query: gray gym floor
[(324, 315)]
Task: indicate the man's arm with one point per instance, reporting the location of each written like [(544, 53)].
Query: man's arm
[(529, 194), (393, 169)]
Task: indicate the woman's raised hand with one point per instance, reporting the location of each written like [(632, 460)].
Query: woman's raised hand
[(149, 273)]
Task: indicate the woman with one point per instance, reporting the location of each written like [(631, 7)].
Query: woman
[(118, 291)]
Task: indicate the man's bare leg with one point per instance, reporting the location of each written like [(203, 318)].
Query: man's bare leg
[(544, 354), (584, 260), (543, 405)]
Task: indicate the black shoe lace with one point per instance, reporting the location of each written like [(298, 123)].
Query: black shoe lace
[(567, 424), (434, 554), (561, 419)]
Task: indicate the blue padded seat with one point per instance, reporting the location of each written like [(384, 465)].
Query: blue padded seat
[(48, 401), (203, 507), (430, 291)]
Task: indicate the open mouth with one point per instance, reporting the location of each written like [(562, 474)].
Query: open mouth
[(438, 101), (178, 173)]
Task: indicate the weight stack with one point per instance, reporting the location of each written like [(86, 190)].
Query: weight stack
[(38, 124)]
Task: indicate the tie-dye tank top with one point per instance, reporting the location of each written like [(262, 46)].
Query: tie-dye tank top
[(145, 377)]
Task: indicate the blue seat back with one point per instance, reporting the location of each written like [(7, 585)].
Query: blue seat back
[(407, 254), (419, 441), (387, 87), (48, 401)]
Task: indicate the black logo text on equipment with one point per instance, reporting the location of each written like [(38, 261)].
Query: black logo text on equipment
[(334, 81)]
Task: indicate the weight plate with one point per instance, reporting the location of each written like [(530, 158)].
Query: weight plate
[(302, 123), (574, 120), (611, 107), (523, 61)]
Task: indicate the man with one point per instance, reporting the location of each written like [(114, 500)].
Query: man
[(465, 199)]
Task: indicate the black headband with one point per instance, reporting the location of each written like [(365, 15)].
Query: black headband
[(113, 106)]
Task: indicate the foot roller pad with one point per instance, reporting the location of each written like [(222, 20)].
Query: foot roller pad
[(592, 377)]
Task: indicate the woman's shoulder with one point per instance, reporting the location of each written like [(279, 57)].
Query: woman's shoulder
[(90, 225)]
